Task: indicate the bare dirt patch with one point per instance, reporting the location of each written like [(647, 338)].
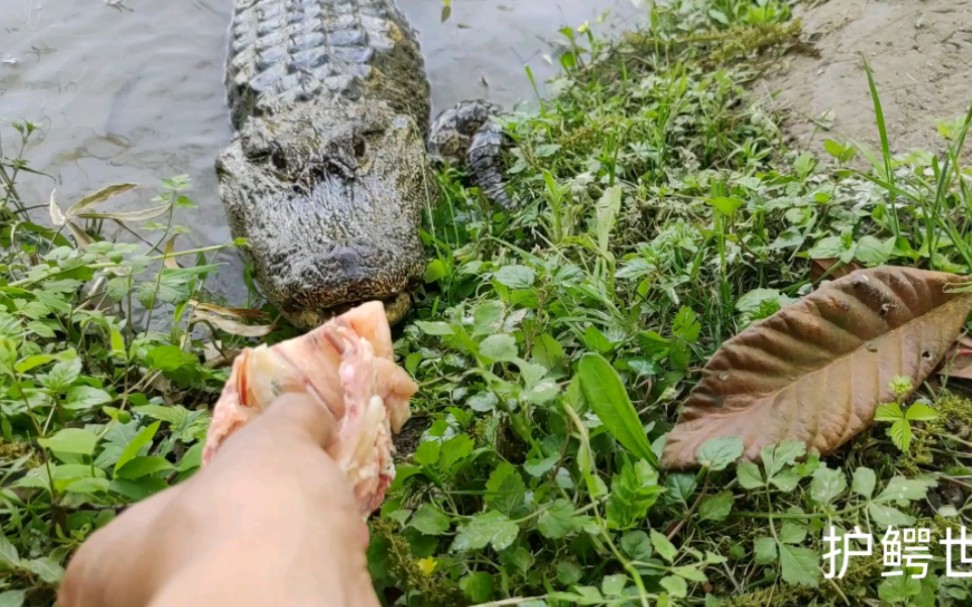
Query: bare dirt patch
[(921, 55)]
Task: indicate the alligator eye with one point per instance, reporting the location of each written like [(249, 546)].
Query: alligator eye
[(278, 160), (360, 147)]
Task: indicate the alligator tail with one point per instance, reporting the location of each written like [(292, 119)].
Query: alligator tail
[(466, 135)]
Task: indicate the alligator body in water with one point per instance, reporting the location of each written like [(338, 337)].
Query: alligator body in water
[(329, 172)]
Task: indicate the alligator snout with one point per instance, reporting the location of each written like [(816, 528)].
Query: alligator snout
[(330, 202)]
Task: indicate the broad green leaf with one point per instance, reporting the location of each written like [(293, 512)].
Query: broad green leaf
[(505, 490), (872, 251), (45, 568), (12, 598), (430, 520), (71, 440), (827, 485), (499, 348), (726, 206), (538, 467), (764, 550), (491, 528), (86, 397), (614, 585), (139, 489), (900, 434), (428, 452), (8, 553), (606, 395), (32, 362), (792, 532), (885, 516), (799, 566), (192, 458), (749, 475), (454, 451), (675, 585), (777, 457), (921, 412), (899, 589), (691, 573), (477, 586), (488, 317), (63, 374), (117, 343), (634, 489), (863, 482), (786, 480), (717, 453), (517, 559), (169, 358), (904, 489), (131, 451), (716, 507), (663, 546), (88, 486), (557, 520), (637, 545), (173, 415), (140, 466), (515, 277), (434, 327)]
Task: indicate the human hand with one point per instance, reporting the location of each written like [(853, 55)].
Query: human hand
[(270, 521)]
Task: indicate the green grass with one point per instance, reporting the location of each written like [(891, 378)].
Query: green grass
[(660, 215)]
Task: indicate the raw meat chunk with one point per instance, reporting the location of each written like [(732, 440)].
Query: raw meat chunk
[(346, 365)]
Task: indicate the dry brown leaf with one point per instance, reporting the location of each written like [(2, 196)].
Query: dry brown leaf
[(229, 320), (819, 268), (169, 259), (816, 370), (243, 313), (958, 363), (83, 239)]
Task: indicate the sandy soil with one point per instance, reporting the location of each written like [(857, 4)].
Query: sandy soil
[(921, 54)]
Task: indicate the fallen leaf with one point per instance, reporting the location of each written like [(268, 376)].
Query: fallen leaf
[(92, 200), (817, 369), (958, 363), (245, 313), (229, 320), (820, 267), (83, 239), (123, 216), (169, 260), (57, 216)]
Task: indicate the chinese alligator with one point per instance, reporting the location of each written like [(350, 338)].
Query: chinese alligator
[(330, 168)]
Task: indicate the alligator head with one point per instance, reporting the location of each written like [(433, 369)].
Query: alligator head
[(329, 199)]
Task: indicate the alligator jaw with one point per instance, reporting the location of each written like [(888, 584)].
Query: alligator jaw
[(397, 308)]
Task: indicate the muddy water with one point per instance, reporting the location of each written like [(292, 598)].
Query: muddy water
[(134, 91)]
